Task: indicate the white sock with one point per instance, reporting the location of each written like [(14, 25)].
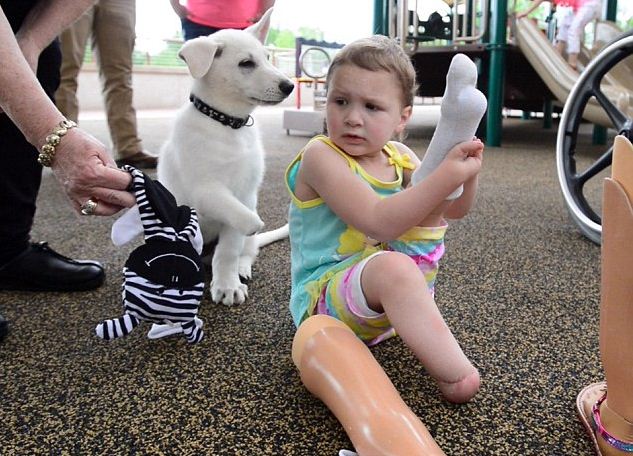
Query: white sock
[(463, 106)]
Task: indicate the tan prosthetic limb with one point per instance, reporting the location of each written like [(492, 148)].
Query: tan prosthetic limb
[(616, 315), (616, 307), (340, 370)]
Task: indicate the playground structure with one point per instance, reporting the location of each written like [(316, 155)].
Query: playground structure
[(522, 71), (312, 60)]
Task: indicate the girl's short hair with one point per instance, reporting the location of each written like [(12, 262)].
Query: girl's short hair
[(377, 53)]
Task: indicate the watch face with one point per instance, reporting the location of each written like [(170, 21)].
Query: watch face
[(173, 265)]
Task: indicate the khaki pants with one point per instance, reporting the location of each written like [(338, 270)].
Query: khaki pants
[(110, 25)]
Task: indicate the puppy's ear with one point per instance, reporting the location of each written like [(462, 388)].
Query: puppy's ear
[(198, 54), (260, 28)]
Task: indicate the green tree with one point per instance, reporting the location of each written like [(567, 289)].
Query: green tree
[(281, 38), (286, 38), (310, 33)]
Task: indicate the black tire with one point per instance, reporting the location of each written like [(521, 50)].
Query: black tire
[(584, 213)]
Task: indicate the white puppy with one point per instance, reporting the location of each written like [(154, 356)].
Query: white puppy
[(213, 159)]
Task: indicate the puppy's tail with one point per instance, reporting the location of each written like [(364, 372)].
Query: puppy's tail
[(268, 237)]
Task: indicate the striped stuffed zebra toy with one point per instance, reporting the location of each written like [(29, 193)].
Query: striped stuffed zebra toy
[(163, 278)]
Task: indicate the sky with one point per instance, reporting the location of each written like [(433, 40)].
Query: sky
[(340, 20)]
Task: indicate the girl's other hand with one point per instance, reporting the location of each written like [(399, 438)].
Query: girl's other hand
[(467, 157)]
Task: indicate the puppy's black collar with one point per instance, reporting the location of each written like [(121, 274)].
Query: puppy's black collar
[(224, 119)]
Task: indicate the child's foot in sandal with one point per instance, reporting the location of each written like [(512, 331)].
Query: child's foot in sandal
[(611, 434)]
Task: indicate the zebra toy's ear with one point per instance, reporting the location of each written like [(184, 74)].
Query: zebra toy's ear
[(127, 227)]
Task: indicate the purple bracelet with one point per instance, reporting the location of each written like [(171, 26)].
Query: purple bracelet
[(600, 430)]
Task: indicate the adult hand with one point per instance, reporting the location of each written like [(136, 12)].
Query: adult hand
[(86, 171)]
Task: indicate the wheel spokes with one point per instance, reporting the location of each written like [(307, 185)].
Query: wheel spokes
[(617, 117), (602, 163), (579, 183)]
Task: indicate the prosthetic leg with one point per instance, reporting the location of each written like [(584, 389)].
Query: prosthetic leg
[(610, 421), (340, 370)]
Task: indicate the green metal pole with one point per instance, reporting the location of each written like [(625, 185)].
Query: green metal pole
[(599, 135), (547, 114), (498, 12), (612, 10), (380, 18)]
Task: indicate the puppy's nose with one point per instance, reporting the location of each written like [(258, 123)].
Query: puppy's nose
[(286, 87)]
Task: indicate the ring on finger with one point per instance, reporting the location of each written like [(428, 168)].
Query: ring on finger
[(89, 207)]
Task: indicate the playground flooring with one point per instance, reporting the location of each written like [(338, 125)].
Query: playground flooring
[(519, 286)]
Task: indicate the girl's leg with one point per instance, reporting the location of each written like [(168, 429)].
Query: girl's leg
[(340, 370), (392, 283), (463, 106)]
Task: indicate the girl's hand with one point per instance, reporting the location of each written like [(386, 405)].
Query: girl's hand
[(466, 158)]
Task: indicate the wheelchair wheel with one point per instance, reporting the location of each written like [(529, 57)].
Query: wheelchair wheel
[(577, 178)]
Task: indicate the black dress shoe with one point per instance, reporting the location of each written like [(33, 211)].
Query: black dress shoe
[(40, 268), (4, 327)]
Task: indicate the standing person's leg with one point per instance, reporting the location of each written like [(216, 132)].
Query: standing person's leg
[(26, 266), (587, 12), (114, 35), (564, 18), (73, 44)]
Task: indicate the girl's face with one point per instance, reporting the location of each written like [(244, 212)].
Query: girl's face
[(364, 109)]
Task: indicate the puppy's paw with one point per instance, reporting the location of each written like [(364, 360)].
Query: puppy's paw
[(256, 227), (250, 225), (245, 267), (228, 293)]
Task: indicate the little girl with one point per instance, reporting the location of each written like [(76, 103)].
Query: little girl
[(572, 25), (365, 241)]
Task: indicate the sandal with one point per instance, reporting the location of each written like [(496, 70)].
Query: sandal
[(588, 405)]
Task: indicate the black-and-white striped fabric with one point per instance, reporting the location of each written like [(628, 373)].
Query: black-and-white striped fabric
[(164, 278)]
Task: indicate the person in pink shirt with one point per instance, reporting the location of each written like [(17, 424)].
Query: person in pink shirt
[(571, 27), (204, 17)]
